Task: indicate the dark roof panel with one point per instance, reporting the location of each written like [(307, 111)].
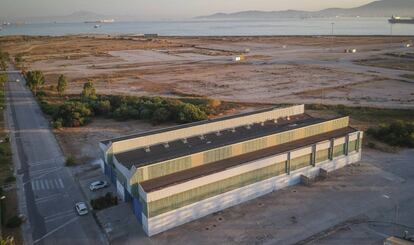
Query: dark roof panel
[(207, 169)]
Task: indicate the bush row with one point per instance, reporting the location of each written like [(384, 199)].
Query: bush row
[(78, 112), (398, 133)]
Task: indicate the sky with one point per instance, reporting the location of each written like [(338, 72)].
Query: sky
[(160, 8)]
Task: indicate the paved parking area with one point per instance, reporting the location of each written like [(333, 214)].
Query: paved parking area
[(88, 174)]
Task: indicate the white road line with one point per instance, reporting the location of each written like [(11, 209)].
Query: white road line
[(61, 183), (41, 184), (56, 183), (52, 186), (56, 229), (33, 186), (46, 184), (53, 216)]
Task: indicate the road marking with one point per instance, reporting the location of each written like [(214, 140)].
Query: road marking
[(59, 215), (47, 184), (61, 183), (56, 229)]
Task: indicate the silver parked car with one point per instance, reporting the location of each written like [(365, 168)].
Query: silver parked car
[(98, 185), (81, 208)]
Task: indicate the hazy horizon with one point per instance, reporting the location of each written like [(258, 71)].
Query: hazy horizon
[(14, 9)]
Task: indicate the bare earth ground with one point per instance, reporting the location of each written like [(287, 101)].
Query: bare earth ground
[(276, 69)]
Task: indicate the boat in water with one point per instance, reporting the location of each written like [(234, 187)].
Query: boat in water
[(399, 20), (101, 21)]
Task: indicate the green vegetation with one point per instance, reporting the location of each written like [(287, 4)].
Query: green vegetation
[(62, 84), (70, 161), (394, 127), (4, 59), (368, 114), (396, 134), (79, 111), (88, 91), (34, 80), (104, 202), (14, 222)]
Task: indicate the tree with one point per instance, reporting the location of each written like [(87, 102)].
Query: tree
[(18, 60), (191, 113), (88, 91), (34, 80), (62, 84), (3, 78)]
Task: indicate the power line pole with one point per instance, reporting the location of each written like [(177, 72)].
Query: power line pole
[(332, 35)]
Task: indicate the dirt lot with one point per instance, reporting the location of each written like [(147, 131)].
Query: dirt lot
[(275, 69)]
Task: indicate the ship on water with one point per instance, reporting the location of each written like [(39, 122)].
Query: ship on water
[(101, 21), (399, 20)]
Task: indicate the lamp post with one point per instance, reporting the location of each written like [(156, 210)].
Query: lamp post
[(2, 208), (332, 34)]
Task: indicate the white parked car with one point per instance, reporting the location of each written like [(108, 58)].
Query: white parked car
[(17, 80), (81, 208), (98, 185)]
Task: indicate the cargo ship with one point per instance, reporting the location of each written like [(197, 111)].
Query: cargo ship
[(399, 20)]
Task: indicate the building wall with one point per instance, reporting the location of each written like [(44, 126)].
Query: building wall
[(179, 164), (180, 195), (213, 204), (135, 143)]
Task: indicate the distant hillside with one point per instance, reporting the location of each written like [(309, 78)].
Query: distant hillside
[(383, 8), (79, 16)]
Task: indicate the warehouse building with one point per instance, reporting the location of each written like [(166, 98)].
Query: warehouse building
[(179, 174)]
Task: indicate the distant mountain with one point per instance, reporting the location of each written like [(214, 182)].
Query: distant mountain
[(382, 8), (79, 16)]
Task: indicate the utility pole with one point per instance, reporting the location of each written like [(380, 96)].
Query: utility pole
[(332, 35)]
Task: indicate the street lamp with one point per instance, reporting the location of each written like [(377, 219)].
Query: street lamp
[(2, 209), (332, 34)]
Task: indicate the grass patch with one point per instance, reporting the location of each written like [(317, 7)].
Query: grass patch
[(70, 161)]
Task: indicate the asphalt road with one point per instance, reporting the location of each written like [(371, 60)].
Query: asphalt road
[(46, 188)]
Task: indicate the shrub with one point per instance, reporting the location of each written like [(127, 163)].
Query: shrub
[(190, 113), (88, 91), (14, 222), (104, 202), (70, 161), (10, 179), (161, 115), (396, 134), (73, 114), (57, 124)]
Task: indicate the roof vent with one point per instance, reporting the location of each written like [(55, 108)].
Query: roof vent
[(275, 121), (288, 118), (147, 149), (233, 130), (184, 140), (166, 145), (262, 124), (208, 142), (218, 133), (202, 137), (248, 126)]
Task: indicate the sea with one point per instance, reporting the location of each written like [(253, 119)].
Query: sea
[(281, 27)]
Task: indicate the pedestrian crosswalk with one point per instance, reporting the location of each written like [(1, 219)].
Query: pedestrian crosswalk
[(47, 184)]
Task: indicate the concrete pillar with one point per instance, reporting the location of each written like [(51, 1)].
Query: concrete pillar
[(313, 155), (346, 144), (288, 163), (331, 147), (358, 141)]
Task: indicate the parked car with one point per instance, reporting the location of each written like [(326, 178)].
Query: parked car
[(98, 185), (17, 80), (81, 208)]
